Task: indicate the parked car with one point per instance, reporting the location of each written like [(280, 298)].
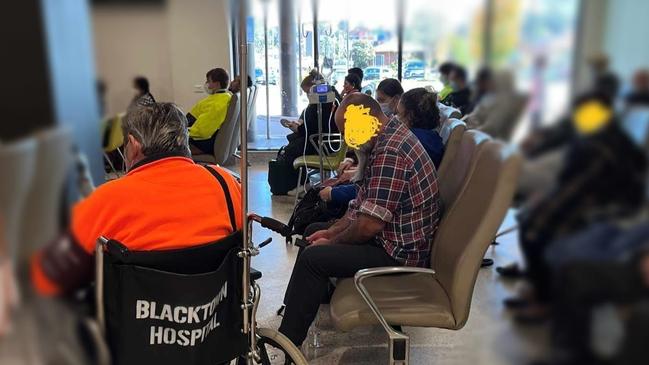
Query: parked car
[(376, 73), (415, 69)]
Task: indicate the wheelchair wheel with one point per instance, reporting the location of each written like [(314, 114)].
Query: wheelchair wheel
[(276, 349)]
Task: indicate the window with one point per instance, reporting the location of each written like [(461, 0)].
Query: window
[(435, 32), (534, 38)]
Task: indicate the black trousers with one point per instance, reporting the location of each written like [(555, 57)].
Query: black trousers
[(581, 287), (310, 279)]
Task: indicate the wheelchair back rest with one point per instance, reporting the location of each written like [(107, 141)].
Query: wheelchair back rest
[(174, 307), (471, 223), (452, 181)]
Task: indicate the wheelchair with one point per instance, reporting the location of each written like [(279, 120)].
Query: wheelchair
[(194, 305)]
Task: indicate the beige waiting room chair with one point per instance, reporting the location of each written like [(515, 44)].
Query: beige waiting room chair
[(236, 139), (41, 216), (451, 132), (17, 166), (224, 136), (439, 296), (448, 112), (452, 181)]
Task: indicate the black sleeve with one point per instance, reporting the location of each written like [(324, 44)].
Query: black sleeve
[(190, 119)]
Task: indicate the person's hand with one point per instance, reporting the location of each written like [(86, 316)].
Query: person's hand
[(321, 242), (347, 163), (347, 175), (325, 194), (322, 234)]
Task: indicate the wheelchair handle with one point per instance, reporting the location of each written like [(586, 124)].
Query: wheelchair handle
[(272, 224)]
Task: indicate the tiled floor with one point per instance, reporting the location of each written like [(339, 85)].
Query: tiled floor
[(488, 338)]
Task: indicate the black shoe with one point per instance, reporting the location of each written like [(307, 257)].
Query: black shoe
[(487, 262), (516, 303), (531, 319), (510, 271)]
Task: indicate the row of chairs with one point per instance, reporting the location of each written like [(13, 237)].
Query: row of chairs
[(477, 180), (34, 175)]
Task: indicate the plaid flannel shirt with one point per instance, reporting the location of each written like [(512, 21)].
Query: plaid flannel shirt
[(399, 187)]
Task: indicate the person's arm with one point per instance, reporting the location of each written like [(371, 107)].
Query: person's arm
[(380, 201), (361, 230), (67, 263), (190, 119), (61, 267)]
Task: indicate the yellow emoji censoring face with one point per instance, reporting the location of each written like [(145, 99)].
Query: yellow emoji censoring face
[(590, 117), (360, 125)]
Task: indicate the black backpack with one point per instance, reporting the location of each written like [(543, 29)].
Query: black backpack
[(282, 177), (312, 209)]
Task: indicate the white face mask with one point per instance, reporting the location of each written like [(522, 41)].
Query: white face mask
[(207, 90), (387, 109)]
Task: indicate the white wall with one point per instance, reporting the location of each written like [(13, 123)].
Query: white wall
[(173, 45), (618, 28), (627, 36), (199, 32)]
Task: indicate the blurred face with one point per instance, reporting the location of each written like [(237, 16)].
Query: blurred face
[(387, 102), (641, 81), (402, 114), (235, 85), (137, 89), (306, 87), (212, 85), (443, 78), (455, 81), (347, 87)]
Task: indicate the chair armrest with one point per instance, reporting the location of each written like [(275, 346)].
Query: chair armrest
[(361, 275)]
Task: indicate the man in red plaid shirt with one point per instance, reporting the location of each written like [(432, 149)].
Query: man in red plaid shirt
[(391, 222)]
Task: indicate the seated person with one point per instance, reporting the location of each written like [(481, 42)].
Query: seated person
[(460, 97), (483, 85), (208, 115), (235, 85), (358, 72), (417, 109), (496, 109), (142, 93), (162, 216), (391, 222), (352, 84), (444, 74), (388, 94), (602, 176), (307, 124), (639, 95)]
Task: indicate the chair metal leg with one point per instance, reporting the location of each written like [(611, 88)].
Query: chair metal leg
[(399, 348), (297, 186)]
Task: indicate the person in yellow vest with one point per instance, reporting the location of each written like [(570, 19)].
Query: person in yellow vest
[(208, 115), (444, 73)]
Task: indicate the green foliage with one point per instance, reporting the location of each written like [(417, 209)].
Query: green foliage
[(362, 53)]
